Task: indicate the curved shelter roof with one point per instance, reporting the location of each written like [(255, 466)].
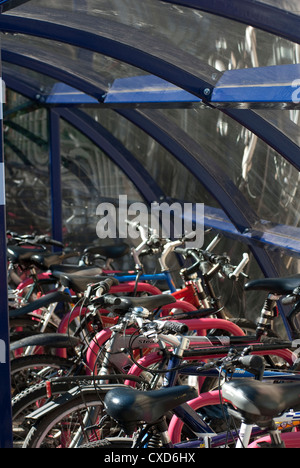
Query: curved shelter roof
[(211, 87), (178, 100)]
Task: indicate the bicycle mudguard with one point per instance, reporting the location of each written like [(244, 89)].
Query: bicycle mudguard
[(71, 394), (51, 298), (54, 340)]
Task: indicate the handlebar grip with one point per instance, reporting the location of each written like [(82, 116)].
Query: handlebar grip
[(56, 243), (47, 240), (253, 363), (251, 360), (112, 300), (240, 266), (105, 285), (175, 327)]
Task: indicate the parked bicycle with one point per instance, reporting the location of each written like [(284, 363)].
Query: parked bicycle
[(143, 415), (58, 414)]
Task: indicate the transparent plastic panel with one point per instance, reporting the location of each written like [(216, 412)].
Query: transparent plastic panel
[(38, 82), (27, 167), (269, 183), (93, 68), (89, 178), (287, 121), (171, 176), (291, 6), (216, 41)]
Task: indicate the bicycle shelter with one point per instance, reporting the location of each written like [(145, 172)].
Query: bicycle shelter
[(175, 101)]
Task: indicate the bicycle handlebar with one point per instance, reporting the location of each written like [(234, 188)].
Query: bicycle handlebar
[(251, 362), (176, 328), (200, 255), (48, 241), (34, 239), (104, 286), (238, 270)]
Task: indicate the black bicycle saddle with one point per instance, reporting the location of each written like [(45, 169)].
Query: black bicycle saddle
[(108, 251), (149, 302), (274, 285), (130, 407), (259, 402)]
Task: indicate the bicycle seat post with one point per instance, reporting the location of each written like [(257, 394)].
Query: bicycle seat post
[(267, 315)]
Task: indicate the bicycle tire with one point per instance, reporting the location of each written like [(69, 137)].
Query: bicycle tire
[(28, 400), (29, 327), (37, 436), (38, 361), (109, 444)]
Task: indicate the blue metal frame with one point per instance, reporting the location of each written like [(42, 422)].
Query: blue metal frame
[(258, 121), (164, 276), (5, 378), (264, 259), (251, 12), (242, 88), (259, 85), (58, 73), (55, 177), (248, 118), (137, 53)]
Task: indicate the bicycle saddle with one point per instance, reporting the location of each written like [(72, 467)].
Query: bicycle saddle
[(108, 251), (44, 260), (130, 407), (79, 282), (260, 402), (149, 302), (18, 254), (274, 285), (58, 270)]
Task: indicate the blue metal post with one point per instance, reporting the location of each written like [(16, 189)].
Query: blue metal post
[(55, 176), (5, 383)]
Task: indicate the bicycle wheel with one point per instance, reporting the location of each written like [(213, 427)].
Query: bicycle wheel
[(27, 326), (109, 444), (80, 420), (30, 370), (26, 402)]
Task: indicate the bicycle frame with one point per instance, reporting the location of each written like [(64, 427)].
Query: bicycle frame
[(186, 414), (199, 325), (164, 276)]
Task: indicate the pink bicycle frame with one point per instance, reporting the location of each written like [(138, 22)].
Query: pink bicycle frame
[(199, 325)]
